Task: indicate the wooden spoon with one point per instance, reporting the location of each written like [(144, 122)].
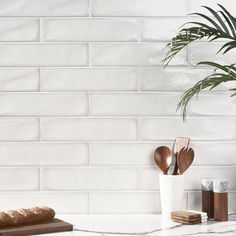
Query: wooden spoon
[(180, 142), (162, 157), (184, 159)]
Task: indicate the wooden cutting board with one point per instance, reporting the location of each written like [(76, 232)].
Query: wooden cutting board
[(52, 226)]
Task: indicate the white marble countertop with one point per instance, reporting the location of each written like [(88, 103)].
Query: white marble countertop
[(149, 225)]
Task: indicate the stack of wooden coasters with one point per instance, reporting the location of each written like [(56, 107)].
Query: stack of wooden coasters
[(204, 217), (186, 217)]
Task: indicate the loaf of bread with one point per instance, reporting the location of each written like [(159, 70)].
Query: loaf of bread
[(26, 216)]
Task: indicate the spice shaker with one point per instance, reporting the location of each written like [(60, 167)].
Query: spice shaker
[(207, 197), (220, 189)]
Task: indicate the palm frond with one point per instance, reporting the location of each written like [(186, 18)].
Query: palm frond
[(222, 26), (222, 74)]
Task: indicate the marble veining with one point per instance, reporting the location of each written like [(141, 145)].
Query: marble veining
[(147, 225)]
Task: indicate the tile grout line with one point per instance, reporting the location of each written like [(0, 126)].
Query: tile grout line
[(89, 54), (39, 129), (89, 153), (138, 129), (139, 179), (87, 16), (139, 29), (188, 48), (150, 191), (40, 79), (138, 78), (188, 8), (40, 30), (114, 67), (110, 166), (89, 204), (89, 103), (188, 207), (39, 181), (89, 8), (117, 92), (128, 117)]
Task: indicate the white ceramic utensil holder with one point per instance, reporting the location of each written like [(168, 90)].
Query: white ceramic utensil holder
[(172, 193)]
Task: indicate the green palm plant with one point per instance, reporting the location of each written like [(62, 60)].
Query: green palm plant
[(221, 26)]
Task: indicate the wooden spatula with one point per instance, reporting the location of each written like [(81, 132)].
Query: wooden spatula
[(184, 159), (180, 142)]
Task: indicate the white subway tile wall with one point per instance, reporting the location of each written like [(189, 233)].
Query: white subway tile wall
[(84, 101), (19, 30), (90, 29), (130, 54), (19, 79)]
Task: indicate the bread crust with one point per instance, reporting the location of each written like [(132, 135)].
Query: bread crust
[(5, 219), (26, 216)]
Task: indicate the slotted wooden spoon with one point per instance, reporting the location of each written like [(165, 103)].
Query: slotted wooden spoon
[(184, 159), (180, 142), (163, 157)]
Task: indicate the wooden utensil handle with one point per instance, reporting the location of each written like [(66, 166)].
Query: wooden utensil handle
[(176, 165), (165, 172)]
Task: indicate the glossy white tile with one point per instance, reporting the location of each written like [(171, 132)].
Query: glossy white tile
[(43, 54), (19, 79), (61, 202), (19, 129), (90, 29), (19, 30), (43, 154), (77, 79), (196, 5), (44, 8), (89, 178), (208, 52), (88, 129), (161, 29), (214, 104), (18, 178), (213, 153), (129, 202), (132, 54), (197, 128), (139, 8), (43, 104), (172, 79), (132, 154), (134, 104)]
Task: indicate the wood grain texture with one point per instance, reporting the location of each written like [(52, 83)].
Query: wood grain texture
[(162, 157), (184, 159), (180, 142), (186, 222), (186, 215), (52, 226), (221, 206), (208, 203)]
